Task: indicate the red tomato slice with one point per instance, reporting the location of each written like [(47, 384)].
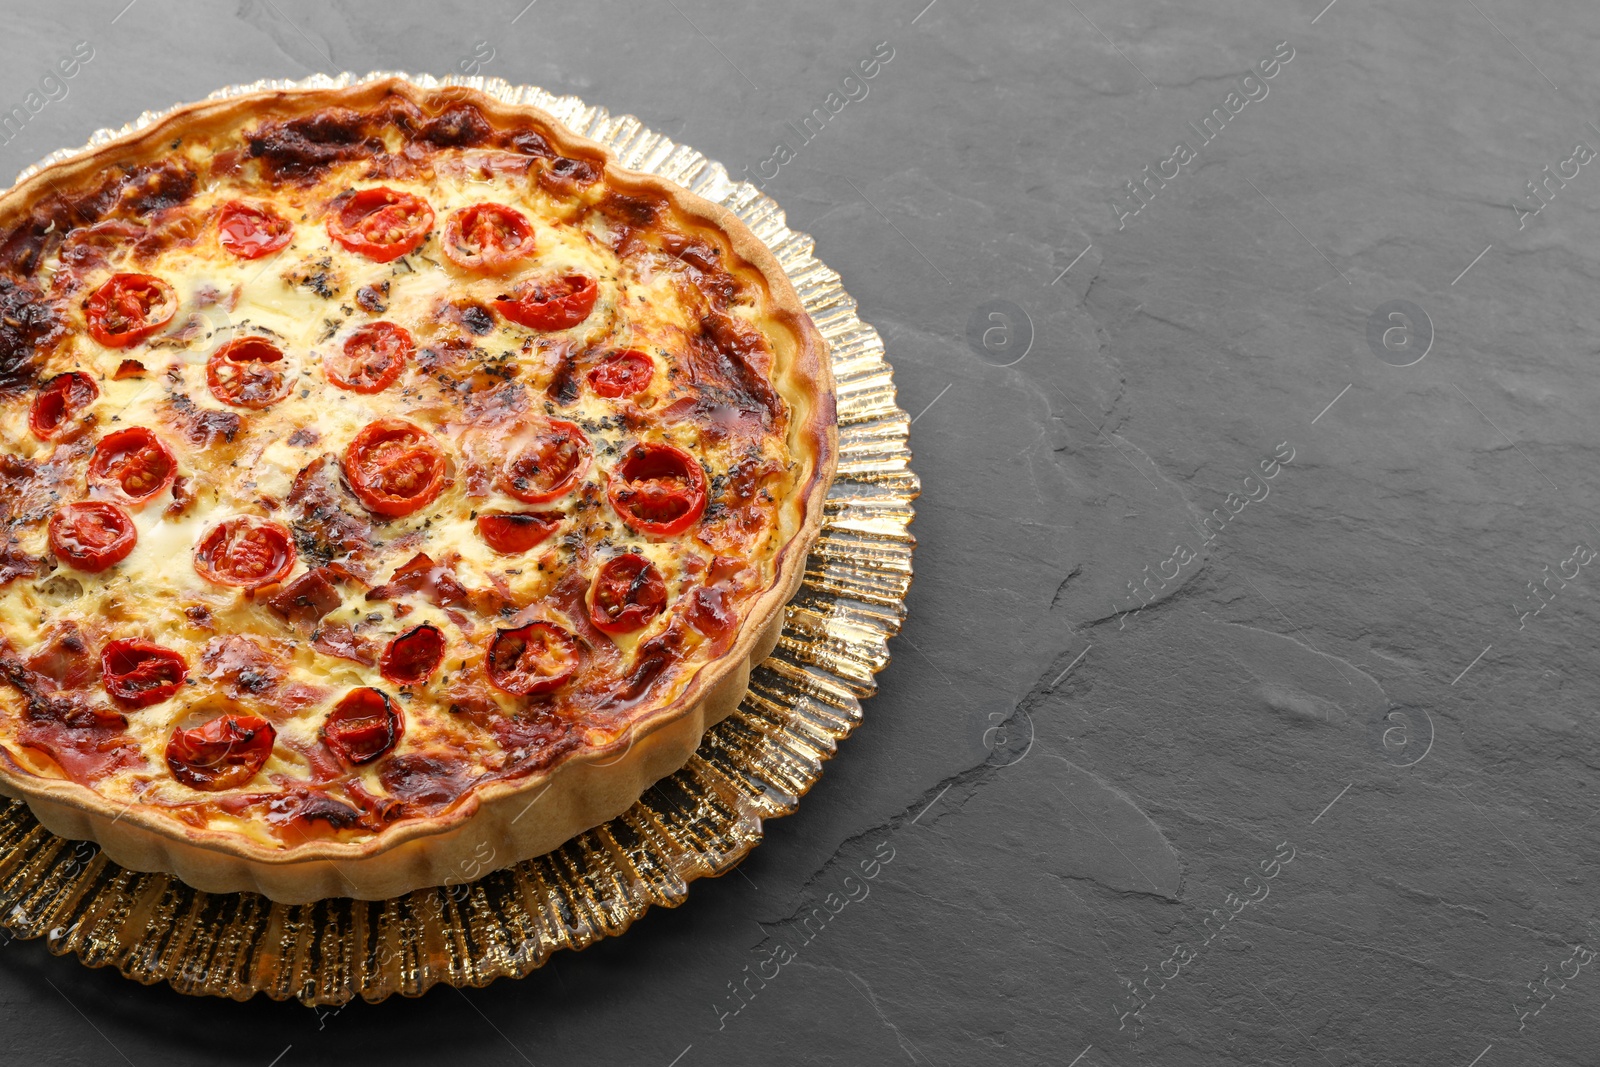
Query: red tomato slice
[(411, 658), (514, 533), (532, 659), (228, 751), (381, 224), (134, 464), (373, 358), (59, 402), (394, 467), (658, 489), (245, 552), (627, 592), (92, 535), (129, 308), (554, 304), (487, 237), (546, 465), (622, 374), (251, 231), (137, 673), (363, 726), (249, 372)]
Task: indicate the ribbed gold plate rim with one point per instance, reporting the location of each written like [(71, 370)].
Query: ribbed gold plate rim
[(754, 765)]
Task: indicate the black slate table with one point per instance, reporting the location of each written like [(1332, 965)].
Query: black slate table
[(1246, 707)]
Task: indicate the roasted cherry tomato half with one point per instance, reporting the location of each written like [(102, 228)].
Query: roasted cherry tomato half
[(411, 658), (134, 464), (245, 552), (711, 606), (627, 592), (228, 751), (545, 465), (514, 533), (59, 402), (92, 535), (552, 304), (248, 372), (363, 725), (394, 467), (137, 673), (129, 308), (373, 358), (381, 224), (622, 374), (487, 237), (658, 489), (532, 659), (251, 231), (710, 612)]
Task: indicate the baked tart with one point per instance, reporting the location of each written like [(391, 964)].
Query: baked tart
[(393, 486)]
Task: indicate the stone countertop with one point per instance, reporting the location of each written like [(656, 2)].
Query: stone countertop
[(1240, 715)]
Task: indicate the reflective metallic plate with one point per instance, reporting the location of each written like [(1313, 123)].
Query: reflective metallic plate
[(701, 821)]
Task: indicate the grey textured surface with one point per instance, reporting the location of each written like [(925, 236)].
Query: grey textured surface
[(1060, 800)]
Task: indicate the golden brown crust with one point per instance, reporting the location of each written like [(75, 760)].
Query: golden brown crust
[(592, 785)]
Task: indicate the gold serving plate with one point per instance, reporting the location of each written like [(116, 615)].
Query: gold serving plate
[(701, 821)]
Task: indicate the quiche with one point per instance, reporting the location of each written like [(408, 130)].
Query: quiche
[(393, 486)]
